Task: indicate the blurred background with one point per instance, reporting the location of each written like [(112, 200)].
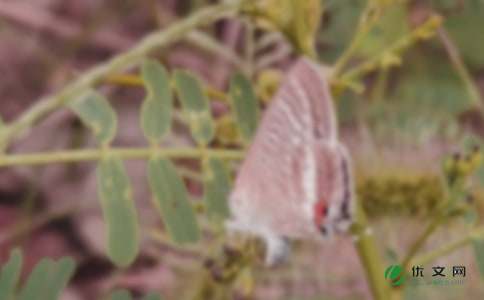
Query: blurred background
[(399, 121)]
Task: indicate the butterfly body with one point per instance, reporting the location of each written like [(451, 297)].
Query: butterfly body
[(295, 181)]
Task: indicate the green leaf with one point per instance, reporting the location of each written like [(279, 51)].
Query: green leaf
[(478, 246), (119, 211), (152, 296), (96, 113), (60, 276), (171, 198), (10, 275), (38, 280), (195, 105), (245, 105), (216, 189), (121, 295), (48, 279), (157, 106)]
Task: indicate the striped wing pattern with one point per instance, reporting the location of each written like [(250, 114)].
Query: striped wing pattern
[(275, 187)]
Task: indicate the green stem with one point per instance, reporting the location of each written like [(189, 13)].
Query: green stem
[(401, 44), (366, 247), (208, 43), (450, 247), (420, 242), (124, 153), (460, 67), (365, 24), (115, 65)]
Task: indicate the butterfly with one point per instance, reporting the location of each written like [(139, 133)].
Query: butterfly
[(295, 182)]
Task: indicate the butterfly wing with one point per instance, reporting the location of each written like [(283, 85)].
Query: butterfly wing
[(268, 187), (302, 109)]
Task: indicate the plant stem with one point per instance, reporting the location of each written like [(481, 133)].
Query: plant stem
[(124, 153), (208, 43), (364, 25), (371, 260), (420, 242), (401, 44), (460, 67), (450, 247), (115, 65)]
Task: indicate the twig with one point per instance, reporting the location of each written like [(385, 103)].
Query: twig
[(365, 23), (420, 242), (450, 247), (460, 67), (124, 153), (115, 65), (422, 32), (208, 43)]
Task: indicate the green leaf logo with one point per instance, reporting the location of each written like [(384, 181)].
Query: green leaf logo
[(395, 275)]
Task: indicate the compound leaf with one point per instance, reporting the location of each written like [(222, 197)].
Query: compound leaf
[(171, 198), (157, 107), (10, 275), (216, 189), (245, 105), (119, 211), (195, 105), (97, 114)]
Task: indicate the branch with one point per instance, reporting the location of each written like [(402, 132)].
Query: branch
[(208, 43), (115, 65), (367, 19), (422, 32), (450, 247), (420, 242), (460, 68), (370, 258), (124, 153)]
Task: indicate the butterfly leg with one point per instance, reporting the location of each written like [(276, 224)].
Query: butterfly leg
[(277, 249)]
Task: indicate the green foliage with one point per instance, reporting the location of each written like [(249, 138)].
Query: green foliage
[(478, 246), (96, 112), (121, 295), (297, 20), (216, 189), (10, 274), (47, 279), (392, 195), (245, 106), (119, 211), (126, 295), (157, 107), (171, 198), (465, 28), (195, 105), (152, 296), (337, 33), (391, 27), (426, 100)]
